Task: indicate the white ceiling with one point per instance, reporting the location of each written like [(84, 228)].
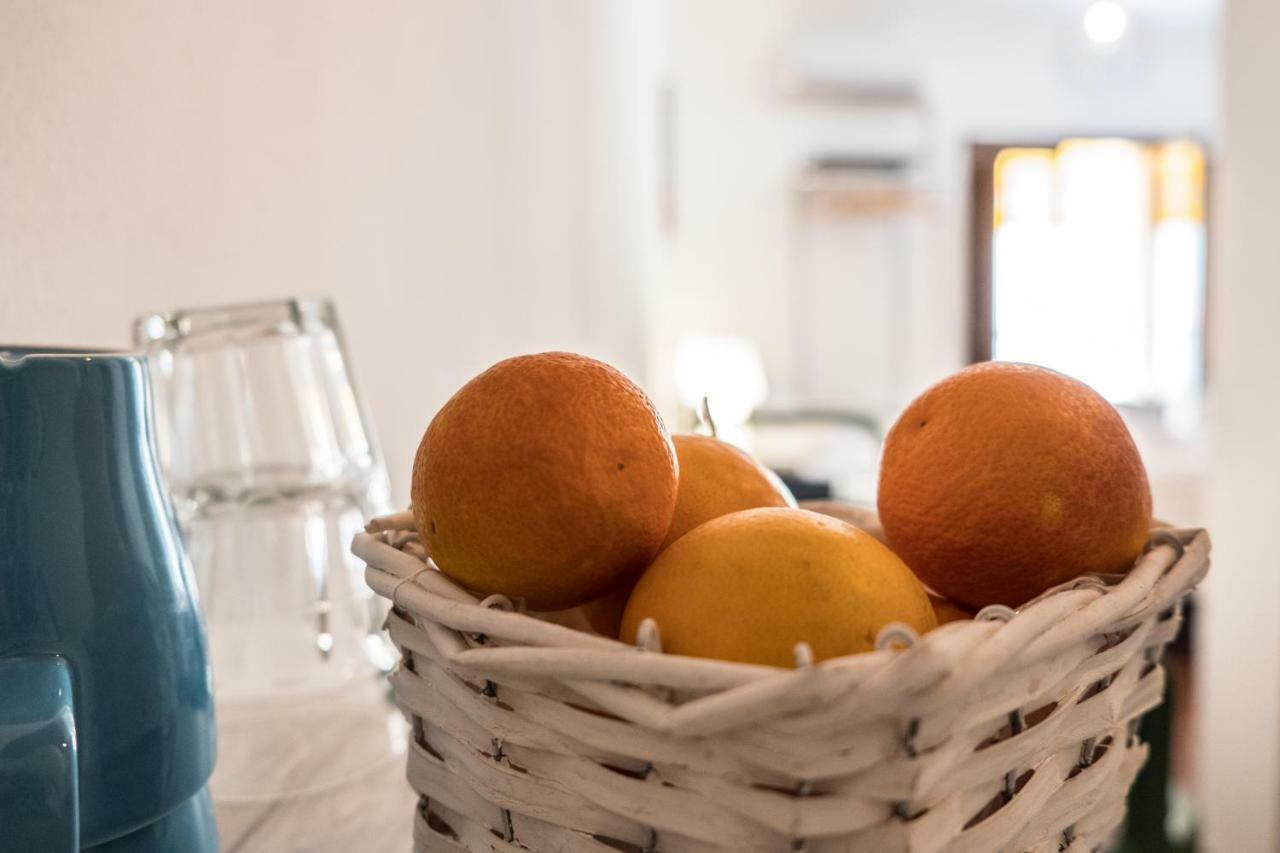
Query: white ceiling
[(1182, 11), (1175, 7), (1160, 9)]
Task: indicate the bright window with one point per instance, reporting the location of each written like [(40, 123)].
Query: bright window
[(1098, 267)]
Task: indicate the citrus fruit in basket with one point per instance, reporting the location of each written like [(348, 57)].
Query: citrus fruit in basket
[(550, 477), (604, 614), (859, 517), (1004, 480), (716, 479), (948, 611), (750, 585)]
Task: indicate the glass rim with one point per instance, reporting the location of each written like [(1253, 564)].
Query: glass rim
[(267, 314)]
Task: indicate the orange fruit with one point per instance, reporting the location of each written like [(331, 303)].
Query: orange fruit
[(550, 477), (750, 585), (859, 517), (948, 611), (716, 479), (604, 614), (1004, 480)]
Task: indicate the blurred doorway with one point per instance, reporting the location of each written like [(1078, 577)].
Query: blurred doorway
[(1089, 257)]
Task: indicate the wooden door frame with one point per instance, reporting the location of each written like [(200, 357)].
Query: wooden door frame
[(982, 162), (982, 192)]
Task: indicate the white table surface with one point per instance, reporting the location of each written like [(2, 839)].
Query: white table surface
[(372, 815), (359, 738)]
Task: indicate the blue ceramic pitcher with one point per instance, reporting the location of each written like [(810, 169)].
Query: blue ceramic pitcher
[(106, 712)]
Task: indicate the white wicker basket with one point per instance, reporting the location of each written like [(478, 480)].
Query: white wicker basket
[(1014, 732)]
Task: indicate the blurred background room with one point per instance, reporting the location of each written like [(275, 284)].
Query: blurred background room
[(801, 212)]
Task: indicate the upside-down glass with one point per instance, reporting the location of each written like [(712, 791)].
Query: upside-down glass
[(273, 466)]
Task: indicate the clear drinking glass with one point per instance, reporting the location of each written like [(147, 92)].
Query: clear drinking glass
[(273, 466), (256, 402)]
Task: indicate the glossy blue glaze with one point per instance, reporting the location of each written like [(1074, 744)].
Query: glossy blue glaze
[(187, 829), (39, 798), (92, 570)]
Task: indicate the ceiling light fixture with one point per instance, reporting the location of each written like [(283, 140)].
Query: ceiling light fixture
[(1105, 22)]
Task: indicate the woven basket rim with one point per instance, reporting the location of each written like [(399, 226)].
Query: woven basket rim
[(407, 580)]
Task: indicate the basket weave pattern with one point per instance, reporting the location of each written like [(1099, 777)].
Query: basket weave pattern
[(1000, 734)]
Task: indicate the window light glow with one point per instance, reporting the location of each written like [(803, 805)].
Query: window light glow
[(1098, 267)]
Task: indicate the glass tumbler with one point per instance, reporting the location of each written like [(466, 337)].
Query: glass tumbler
[(273, 466)]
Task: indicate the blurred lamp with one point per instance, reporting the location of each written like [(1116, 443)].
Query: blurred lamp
[(728, 372), (1105, 22)]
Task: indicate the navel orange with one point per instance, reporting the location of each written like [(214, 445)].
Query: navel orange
[(1006, 479), (549, 477), (750, 585)]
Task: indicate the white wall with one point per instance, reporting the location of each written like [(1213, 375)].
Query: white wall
[(467, 180), (472, 180), (987, 71), (1240, 693)]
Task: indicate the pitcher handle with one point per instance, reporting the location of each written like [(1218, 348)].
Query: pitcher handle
[(39, 777)]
